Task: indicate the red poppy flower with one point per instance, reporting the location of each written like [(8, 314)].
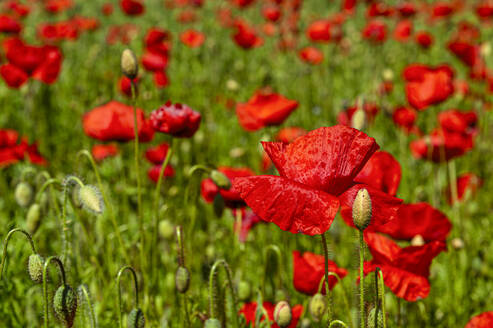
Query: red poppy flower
[(406, 8), (345, 117), (12, 151), (107, 9), (483, 320), (19, 9), (319, 31), (285, 135), (161, 79), (126, 85), (309, 270), (441, 145), (403, 30), (382, 171), (100, 152), (427, 85), (192, 38), (265, 108), (424, 39), (349, 5), (317, 175), (418, 219), (467, 185), (13, 76), (379, 9), (179, 120), (249, 310), (232, 199), (248, 221), (311, 55), (155, 37), (271, 13), (405, 270), (58, 32), (157, 154), (114, 121), (441, 9), (455, 121), (57, 6), (405, 118), (375, 31), (132, 7), (9, 24), (153, 61), (246, 36), (154, 172), (467, 52), (484, 9)]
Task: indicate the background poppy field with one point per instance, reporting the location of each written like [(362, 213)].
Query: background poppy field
[(259, 122)]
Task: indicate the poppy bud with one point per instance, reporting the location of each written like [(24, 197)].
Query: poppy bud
[(218, 205), (212, 323), (244, 291), (371, 319), (182, 279), (417, 241), (91, 200), (305, 323), (166, 229), (362, 209), (457, 243), (317, 306), (33, 218), (65, 305), (220, 179), (358, 120), (136, 319), (35, 268), (23, 194), (129, 64), (75, 196), (282, 314)]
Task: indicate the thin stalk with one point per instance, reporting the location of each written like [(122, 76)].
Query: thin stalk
[(85, 293), (382, 295), (118, 278), (6, 243), (337, 322), (213, 290), (45, 284), (361, 282), (327, 290)]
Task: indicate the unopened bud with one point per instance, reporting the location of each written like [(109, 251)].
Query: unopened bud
[(358, 121), (417, 241), (35, 268), (305, 323), (182, 279), (23, 194), (317, 306), (33, 218), (91, 199), (65, 305), (371, 319), (129, 64), (282, 314), (457, 243), (362, 209), (136, 319), (212, 323), (220, 179)]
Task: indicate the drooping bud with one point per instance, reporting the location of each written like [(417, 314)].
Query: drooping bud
[(317, 306), (220, 179), (91, 199), (35, 268), (182, 279), (282, 314), (23, 194), (371, 319), (129, 64), (33, 218), (75, 196), (65, 305), (166, 229), (244, 291), (136, 319), (212, 323), (362, 209)]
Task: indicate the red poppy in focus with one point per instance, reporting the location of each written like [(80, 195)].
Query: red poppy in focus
[(285, 135), (405, 270), (405, 118), (249, 310), (375, 31), (345, 117), (403, 30), (132, 7), (467, 186), (192, 38), (9, 24), (125, 85), (265, 108), (309, 270), (382, 171), (319, 31), (311, 55), (427, 85), (114, 121), (100, 152), (245, 36), (179, 120), (418, 219), (317, 173), (483, 320), (154, 172), (232, 199), (424, 39)]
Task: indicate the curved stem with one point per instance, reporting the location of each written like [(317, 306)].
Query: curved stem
[(6, 243), (337, 322), (326, 257), (213, 292), (275, 250), (45, 185), (45, 284), (361, 281), (118, 278), (75, 179), (85, 293)]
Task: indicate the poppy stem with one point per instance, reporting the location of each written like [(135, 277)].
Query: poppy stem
[(337, 323), (6, 243), (382, 296), (361, 282), (92, 316), (327, 290), (118, 278), (45, 284)]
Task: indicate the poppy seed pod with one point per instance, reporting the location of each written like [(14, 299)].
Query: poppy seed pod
[(136, 319), (182, 279), (317, 306), (362, 209), (23, 194), (220, 179), (129, 64), (33, 218), (91, 199), (65, 305), (282, 314), (35, 268), (371, 319), (212, 323)]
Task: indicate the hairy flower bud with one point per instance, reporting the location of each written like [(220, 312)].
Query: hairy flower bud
[(136, 319), (212, 323), (65, 305), (317, 306), (362, 209), (91, 199), (35, 268), (282, 314), (33, 218), (182, 279), (220, 179), (371, 319), (129, 64), (23, 194)]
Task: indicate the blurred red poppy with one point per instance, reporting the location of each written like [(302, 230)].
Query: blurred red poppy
[(375, 31), (154, 172), (246, 36), (484, 9), (9, 24), (12, 150), (405, 270), (319, 31), (405, 118), (107, 9), (418, 219), (483, 320), (271, 13), (192, 38), (179, 120), (58, 32), (424, 39), (403, 30), (249, 310), (125, 85), (406, 8), (427, 85), (114, 121), (57, 6), (317, 175), (248, 221), (265, 108), (440, 145), (311, 55), (467, 186), (345, 117), (101, 152), (132, 7), (441, 9), (157, 154), (161, 79), (379, 8), (456, 121), (309, 270)]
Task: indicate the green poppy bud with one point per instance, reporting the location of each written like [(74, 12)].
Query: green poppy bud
[(33, 218), (136, 319), (212, 323), (362, 209), (23, 194), (220, 179), (371, 319), (91, 199), (65, 305), (129, 64), (282, 314), (318, 306), (35, 268), (182, 279)]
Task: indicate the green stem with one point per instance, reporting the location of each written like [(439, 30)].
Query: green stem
[(85, 293), (337, 322), (6, 243), (213, 289), (361, 282), (382, 295), (45, 284), (327, 290), (118, 278)]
